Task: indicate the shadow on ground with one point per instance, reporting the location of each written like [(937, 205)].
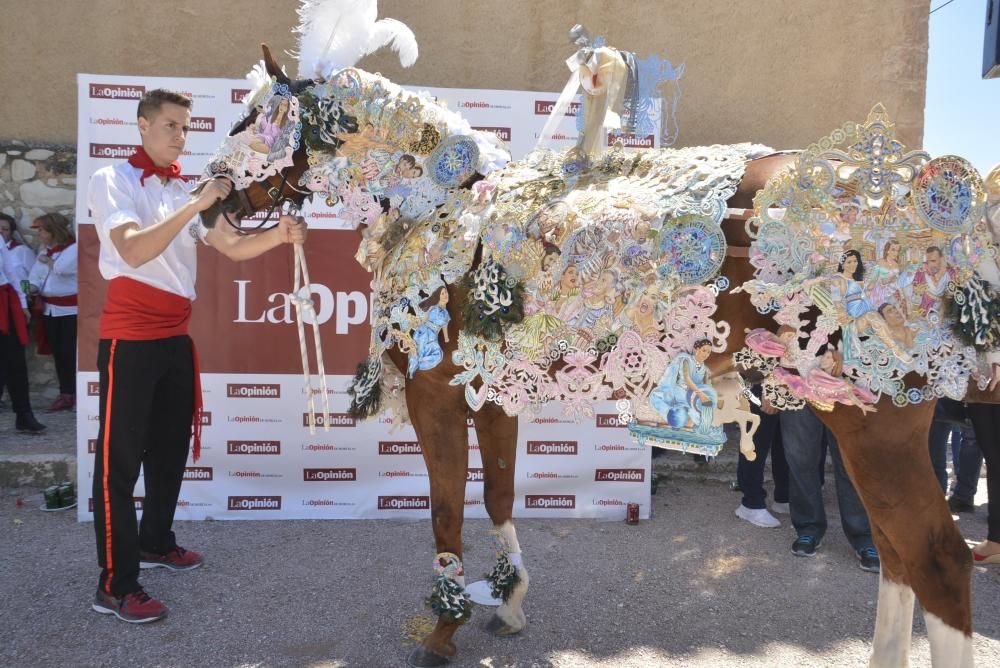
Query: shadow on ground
[(694, 586)]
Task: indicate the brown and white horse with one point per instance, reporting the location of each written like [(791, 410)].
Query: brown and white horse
[(924, 557)]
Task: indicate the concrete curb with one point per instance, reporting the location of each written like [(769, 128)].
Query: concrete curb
[(36, 470), (42, 470)]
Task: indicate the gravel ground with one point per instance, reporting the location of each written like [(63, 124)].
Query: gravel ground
[(694, 586), (59, 436)]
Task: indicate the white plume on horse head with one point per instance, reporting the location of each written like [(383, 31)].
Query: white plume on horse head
[(334, 34)]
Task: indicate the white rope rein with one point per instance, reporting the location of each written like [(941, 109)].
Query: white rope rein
[(302, 298)]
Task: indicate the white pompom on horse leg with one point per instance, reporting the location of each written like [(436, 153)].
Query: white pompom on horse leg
[(497, 433), (510, 617)]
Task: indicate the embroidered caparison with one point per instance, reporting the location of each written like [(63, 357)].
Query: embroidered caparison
[(884, 243)]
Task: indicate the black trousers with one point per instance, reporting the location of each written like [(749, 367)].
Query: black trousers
[(750, 475), (13, 369), (147, 398), (61, 332), (986, 423)]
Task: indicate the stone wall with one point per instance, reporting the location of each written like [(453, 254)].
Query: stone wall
[(36, 179)]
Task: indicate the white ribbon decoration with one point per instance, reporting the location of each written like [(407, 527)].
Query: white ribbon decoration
[(603, 74), (301, 297)]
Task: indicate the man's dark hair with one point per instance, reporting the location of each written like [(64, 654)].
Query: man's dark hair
[(152, 100), (9, 219), (933, 249)]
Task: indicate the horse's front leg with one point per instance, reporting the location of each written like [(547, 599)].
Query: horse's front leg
[(497, 433), (438, 414), (910, 516), (894, 614)]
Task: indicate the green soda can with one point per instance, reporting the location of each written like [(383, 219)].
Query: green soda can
[(52, 500), (67, 494), (25, 286)]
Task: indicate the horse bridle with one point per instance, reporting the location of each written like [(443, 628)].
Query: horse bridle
[(278, 199)]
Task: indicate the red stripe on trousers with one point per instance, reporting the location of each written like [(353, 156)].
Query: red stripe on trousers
[(108, 560)]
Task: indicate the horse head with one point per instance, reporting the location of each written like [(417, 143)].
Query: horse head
[(386, 157), (257, 189)]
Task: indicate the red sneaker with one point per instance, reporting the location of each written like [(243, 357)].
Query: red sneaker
[(177, 559), (62, 403), (135, 608)]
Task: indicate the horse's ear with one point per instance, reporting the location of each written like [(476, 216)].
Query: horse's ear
[(272, 66)]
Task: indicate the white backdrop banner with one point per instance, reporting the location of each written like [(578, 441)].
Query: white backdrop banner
[(259, 460)]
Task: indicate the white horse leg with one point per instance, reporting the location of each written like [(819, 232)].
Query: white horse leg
[(510, 618), (949, 646), (893, 625)]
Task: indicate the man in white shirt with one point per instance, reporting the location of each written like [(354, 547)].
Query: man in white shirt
[(149, 226), (19, 260), (13, 338), (21, 257)]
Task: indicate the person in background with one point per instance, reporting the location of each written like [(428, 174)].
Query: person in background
[(750, 475), (13, 338), (53, 278), (986, 417), (951, 421), (803, 436), (21, 257)]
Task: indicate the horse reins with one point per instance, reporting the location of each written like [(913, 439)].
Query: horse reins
[(276, 193)]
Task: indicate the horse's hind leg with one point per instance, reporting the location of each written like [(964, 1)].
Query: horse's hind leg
[(497, 434), (894, 615), (439, 421), (939, 566), (910, 511)]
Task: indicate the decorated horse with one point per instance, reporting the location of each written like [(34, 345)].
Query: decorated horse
[(578, 276)]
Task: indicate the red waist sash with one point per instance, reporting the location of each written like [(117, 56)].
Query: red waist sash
[(64, 300), (135, 311), (12, 314)]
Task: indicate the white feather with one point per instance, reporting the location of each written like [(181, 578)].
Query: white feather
[(334, 34), (259, 80), (390, 32)]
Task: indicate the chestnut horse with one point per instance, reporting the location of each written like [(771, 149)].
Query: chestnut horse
[(885, 453)]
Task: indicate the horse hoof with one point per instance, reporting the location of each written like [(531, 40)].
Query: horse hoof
[(421, 657), (498, 627)]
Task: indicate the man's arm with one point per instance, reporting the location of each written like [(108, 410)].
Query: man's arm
[(137, 246), (244, 247)]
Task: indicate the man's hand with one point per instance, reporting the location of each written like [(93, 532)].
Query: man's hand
[(291, 230), (45, 259), (767, 408), (215, 190), (995, 378)]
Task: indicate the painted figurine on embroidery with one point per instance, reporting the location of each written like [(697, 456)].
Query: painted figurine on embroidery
[(270, 126), (823, 382), (684, 397), (427, 352), (930, 282), (888, 279)]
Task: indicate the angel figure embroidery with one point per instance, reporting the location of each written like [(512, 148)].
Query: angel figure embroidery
[(823, 382)]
